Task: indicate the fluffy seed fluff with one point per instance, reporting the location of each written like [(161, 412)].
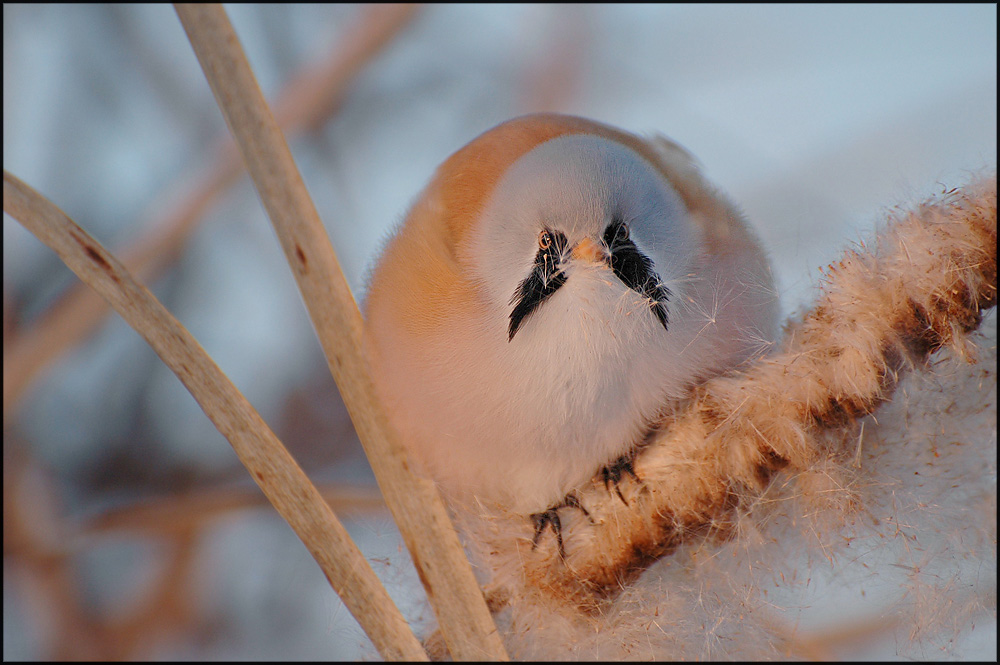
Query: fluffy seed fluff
[(768, 479)]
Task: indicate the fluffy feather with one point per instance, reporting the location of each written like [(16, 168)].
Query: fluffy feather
[(516, 421)]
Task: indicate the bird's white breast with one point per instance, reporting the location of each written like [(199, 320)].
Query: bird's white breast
[(521, 420)]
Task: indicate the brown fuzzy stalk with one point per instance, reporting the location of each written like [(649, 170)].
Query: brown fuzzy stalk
[(886, 307)]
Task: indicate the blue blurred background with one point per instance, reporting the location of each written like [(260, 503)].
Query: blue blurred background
[(815, 119)]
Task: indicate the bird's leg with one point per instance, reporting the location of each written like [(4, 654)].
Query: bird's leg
[(551, 517), (541, 520), (613, 473)]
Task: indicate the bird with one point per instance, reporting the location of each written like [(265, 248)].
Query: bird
[(556, 289)]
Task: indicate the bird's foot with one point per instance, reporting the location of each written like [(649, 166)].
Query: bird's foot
[(613, 473), (550, 517)]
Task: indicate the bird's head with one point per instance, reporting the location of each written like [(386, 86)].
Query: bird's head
[(581, 216)]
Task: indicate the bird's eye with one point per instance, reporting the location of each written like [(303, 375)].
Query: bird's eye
[(545, 239), (621, 233)]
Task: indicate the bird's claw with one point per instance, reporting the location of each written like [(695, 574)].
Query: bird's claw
[(550, 517), (613, 474)]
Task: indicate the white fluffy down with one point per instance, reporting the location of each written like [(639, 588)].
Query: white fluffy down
[(519, 422), (904, 578)]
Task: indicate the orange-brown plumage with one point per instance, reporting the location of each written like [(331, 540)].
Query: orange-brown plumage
[(467, 394)]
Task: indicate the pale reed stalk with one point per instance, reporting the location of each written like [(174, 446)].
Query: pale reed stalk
[(414, 501), (269, 463)]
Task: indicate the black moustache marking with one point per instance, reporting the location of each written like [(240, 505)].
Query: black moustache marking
[(631, 266), (635, 270), (544, 280)]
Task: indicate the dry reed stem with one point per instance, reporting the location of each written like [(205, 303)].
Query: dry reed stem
[(825, 644), (920, 286), (553, 80), (268, 462), (40, 545), (414, 501), (318, 90), (77, 313), (306, 100), (172, 513)]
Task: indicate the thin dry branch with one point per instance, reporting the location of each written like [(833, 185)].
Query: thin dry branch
[(554, 75), (40, 550), (267, 460), (317, 91), (920, 286), (77, 313), (174, 513), (41, 543), (310, 97), (414, 501)]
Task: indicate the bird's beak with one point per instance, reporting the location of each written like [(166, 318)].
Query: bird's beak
[(588, 250)]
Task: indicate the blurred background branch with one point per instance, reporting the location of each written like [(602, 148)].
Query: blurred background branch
[(813, 118), (311, 96)]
